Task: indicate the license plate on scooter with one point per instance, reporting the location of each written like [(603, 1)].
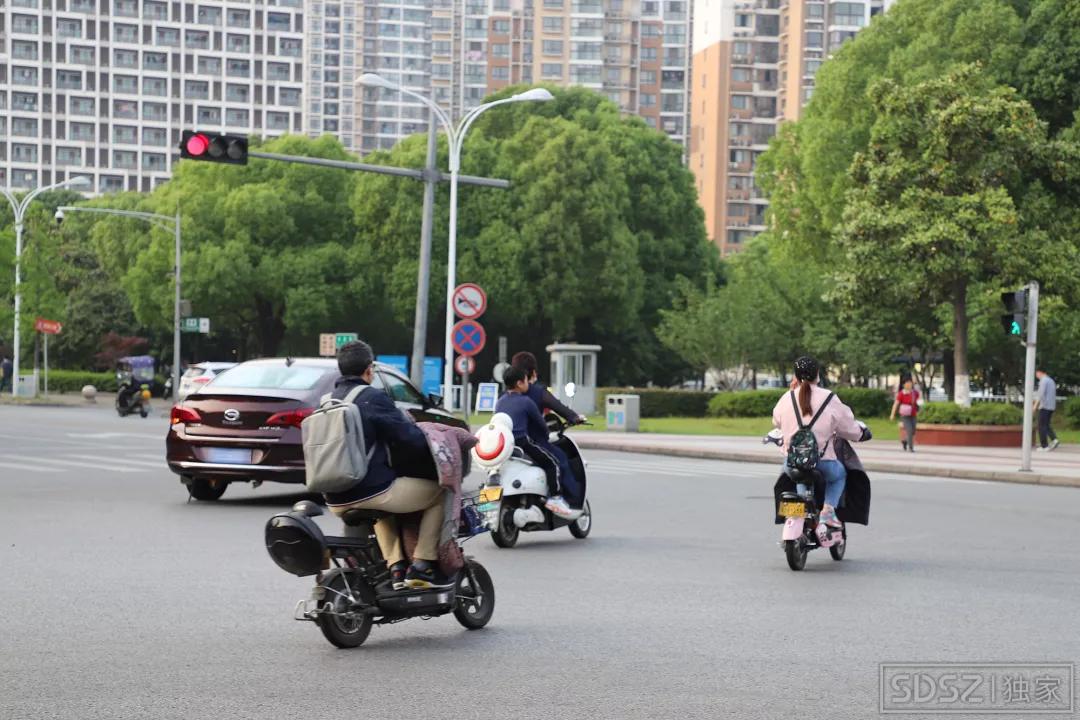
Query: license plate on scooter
[(789, 508), (490, 494)]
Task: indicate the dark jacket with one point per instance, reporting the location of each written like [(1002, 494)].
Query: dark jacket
[(544, 400), (854, 503), (388, 431), (528, 422)]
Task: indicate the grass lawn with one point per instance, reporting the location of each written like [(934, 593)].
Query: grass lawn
[(883, 428)]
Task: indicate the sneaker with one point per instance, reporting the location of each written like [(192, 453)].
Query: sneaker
[(903, 443), (557, 505), (1041, 449), (424, 575), (1054, 445), (397, 574), (828, 517)]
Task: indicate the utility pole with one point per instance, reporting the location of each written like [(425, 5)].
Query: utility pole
[(423, 279), (1029, 372)]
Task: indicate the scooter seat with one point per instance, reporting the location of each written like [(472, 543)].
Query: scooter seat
[(358, 516)]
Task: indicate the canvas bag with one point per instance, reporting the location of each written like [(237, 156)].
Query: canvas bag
[(336, 456), (803, 452), (908, 409)]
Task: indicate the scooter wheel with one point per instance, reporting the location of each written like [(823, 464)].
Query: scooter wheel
[(143, 412), (581, 527), (344, 632), (796, 554), (505, 534), (475, 596)]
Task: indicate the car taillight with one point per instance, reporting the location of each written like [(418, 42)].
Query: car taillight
[(290, 418), (184, 415), (201, 379)]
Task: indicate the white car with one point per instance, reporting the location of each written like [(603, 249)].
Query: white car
[(199, 374)]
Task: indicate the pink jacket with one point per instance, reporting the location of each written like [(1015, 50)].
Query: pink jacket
[(836, 421)]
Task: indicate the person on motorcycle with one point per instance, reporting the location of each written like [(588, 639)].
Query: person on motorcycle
[(836, 420), (539, 394), (387, 428), (531, 435)]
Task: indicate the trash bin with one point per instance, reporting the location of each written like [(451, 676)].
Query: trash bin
[(623, 412), (28, 386)]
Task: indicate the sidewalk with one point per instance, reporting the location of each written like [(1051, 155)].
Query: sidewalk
[(1060, 467), (57, 400)]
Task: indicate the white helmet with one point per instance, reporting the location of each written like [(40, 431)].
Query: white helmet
[(496, 442)]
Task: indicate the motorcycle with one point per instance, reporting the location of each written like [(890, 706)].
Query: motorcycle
[(353, 591), (133, 377), (514, 495), (799, 498)]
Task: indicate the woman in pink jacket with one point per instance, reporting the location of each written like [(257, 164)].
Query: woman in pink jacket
[(836, 420)]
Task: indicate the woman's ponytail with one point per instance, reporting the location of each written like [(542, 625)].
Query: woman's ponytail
[(804, 397)]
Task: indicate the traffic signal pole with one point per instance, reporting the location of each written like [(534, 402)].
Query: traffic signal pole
[(1029, 374)]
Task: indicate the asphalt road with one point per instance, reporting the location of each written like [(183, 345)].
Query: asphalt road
[(121, 600)]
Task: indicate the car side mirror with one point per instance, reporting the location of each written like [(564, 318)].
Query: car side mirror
[(434, 400)]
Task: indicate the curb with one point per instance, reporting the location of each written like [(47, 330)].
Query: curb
[(871, 466)]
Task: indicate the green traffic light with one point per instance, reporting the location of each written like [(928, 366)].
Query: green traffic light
[(1015, 329)]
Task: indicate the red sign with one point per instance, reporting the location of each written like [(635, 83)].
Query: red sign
[(465, 365), (470, 301), (49, 327), (468, 337)]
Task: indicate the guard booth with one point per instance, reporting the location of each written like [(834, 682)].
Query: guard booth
[(573, 363)]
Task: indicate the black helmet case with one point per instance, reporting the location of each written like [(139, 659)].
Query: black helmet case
[(295, 543)]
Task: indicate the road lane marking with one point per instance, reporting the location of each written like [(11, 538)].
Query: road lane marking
[(159, 465), (80, 464), (28, 468)]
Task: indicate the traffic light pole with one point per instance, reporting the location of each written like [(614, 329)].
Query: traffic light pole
[(1029, 374)]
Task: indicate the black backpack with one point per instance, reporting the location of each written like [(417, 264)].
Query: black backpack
[(803, 453)]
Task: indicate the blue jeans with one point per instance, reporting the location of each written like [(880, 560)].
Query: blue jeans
[(835, 475)]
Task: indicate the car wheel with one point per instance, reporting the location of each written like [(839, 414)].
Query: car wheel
[(203, 489)]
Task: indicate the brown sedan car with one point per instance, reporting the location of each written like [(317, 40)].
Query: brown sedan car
[(244, 425)]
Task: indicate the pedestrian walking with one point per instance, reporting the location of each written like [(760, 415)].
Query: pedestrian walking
[(907, 403), (5, 373), (1046, 404)]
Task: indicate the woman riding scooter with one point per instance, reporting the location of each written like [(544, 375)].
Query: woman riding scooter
[(809, 406)]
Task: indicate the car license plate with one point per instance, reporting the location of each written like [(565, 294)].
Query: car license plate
[(792, 509), (229, 456), (490, 494)]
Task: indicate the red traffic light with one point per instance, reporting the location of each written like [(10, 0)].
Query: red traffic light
[(232, 149)]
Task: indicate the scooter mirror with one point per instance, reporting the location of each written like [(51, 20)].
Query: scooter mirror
[(570, 390)]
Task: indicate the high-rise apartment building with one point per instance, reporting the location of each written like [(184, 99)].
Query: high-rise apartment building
[(103, 88), (753, 67), (636, 52)]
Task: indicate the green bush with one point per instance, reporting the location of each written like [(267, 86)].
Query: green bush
[(943, 413), (745, 403), (866, 402), (74, 380), (1071, 410), (661, 403)]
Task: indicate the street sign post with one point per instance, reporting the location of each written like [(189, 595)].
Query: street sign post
[(468, 337), (344, 339), (47, 328), (487, 394), (1029, 372), (470, 301), (195, 325)]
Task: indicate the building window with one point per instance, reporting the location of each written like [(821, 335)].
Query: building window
[(126, 134), (155, 61), (154, 136), (648, 100), (125, 33), (25, 24), (289, 97), (23, 50), (815, 10), (209, 116), (277, 121), (157, 112), (209, 65), (239, 18), (236, 118), (500, 27), (111, 183), (197, 39), (125, 109), (157, 87), (24, 76), (84, 6), (153, 162), (741, 75), (239, 68), (290, 47), (69, 156), (125, 84), (24, 153), (26, 102), (553, 25), (740, 102), (68, 28), (238, 43), (155, 11), (551, 70), (237, 93), (648, 54), (169, 37), (278, 22), (553, 47), (277, 71), (69, 79), (126, 8), (500, 73), (849, 13), (209, 16), (125, 59), (81, 106), (196, 90), (24, 127), (647, 77), (81, 55), (81, 131), (815, 40)]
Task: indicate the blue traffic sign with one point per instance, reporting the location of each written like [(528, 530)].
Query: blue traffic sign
[(468, 337)]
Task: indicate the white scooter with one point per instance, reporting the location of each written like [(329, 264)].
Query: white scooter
[(513, 498)]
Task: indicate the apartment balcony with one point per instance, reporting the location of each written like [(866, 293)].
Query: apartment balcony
[(741, 114), (738, 221), (741, 167), (741, 59), (741, 141), (738, 195)]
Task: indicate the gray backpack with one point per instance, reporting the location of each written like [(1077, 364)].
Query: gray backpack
[(336, 456)]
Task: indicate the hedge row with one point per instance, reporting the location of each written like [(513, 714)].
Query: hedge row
[(865, 402), (1071, 410), (944, 413), (74, 380), (661, 403)]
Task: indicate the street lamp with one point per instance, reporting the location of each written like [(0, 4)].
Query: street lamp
[(19, 209), (165, 222), (456, 138)]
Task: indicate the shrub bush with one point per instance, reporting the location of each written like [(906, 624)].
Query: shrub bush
[(1071, 410), (745, 403), (73, 380), (943, 413), (866, 402), (661, 403)]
